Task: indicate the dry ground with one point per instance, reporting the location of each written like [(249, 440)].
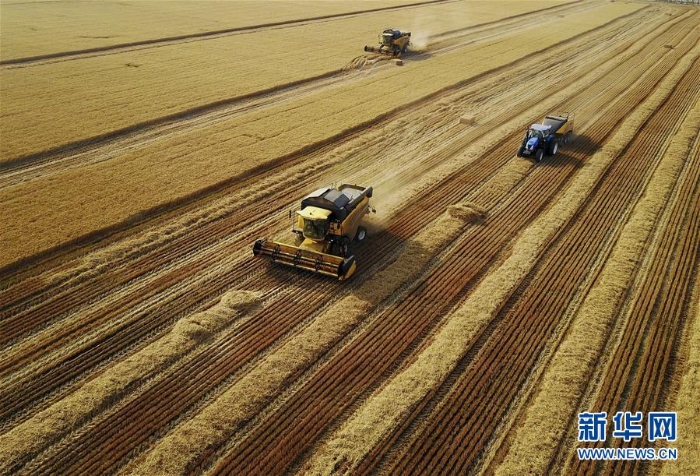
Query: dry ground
[(495, 298)]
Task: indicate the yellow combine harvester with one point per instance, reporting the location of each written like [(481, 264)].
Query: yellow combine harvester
[(328, 221), (392, 42)]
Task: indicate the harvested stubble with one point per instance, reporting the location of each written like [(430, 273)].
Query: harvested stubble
[(384, 410), (219, 421), (110, 192), (688, 404), (29, 438), (513, 171), (567, 374), (501, 175)]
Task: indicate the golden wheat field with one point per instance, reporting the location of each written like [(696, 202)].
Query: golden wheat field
[(499, 303)]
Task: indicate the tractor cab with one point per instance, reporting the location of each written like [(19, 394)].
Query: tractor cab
[(535, 134), (539, 130)]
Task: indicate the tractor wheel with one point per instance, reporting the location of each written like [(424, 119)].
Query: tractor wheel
[(404, 49), (520, 152), (554, 147), (396, 50), (361, 234), (539, 155)]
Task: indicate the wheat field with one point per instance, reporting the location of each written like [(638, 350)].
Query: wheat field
[(144, 147)]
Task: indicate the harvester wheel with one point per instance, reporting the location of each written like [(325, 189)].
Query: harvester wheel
[(396, 51), (341, 247), (298, 239), (361, 234), (345, 247), (539, 155)]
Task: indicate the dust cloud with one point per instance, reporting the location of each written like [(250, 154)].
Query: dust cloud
[(420, 40)]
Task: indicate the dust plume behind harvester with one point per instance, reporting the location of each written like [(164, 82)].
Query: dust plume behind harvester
[(392, 42), (326, 225)]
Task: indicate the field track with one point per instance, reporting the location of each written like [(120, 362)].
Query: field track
[(91, 313)]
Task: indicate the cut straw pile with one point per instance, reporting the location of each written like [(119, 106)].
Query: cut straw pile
[(468, 212)]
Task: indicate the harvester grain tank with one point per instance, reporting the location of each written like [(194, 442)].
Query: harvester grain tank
[(392, 42), (546, 138), (326, 225)]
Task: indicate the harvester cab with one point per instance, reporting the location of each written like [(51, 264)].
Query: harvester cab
[(392, 42), (325, 226), (388, 36)]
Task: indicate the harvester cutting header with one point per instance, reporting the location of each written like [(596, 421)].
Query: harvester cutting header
[(392, 42), (328, 221)]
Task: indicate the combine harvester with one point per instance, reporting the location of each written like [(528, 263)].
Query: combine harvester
[(545, 138), (324, 227), (392, 42)]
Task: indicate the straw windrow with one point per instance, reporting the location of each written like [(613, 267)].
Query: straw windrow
[(27, 439)]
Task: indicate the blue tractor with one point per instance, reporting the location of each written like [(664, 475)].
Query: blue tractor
[(546, 138)]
